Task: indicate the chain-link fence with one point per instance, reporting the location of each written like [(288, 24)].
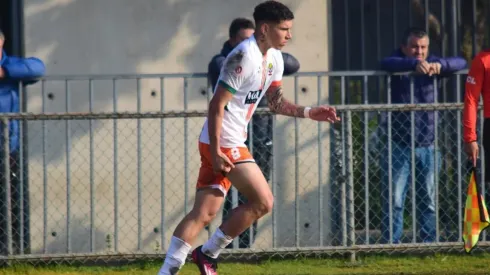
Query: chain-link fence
[(113, 185)]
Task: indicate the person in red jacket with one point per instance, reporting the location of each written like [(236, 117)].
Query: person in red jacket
[(477, 83)]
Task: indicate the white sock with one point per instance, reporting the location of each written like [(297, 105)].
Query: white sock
[(216, 243), (176, 256)]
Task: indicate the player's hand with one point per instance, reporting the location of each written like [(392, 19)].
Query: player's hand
[(471, 150), (423, 67), (2, 72), (324, 113), (221, 163)]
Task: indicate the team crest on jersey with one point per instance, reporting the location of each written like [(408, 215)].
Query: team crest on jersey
[(270, 68), (233, 62), (252, 97)]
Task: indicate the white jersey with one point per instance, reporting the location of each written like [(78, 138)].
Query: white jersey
[(247, 74)]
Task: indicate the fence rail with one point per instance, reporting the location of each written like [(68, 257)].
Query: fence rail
[(112, 183), (62, 77)]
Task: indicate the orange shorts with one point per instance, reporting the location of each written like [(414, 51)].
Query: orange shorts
[(207, 178)]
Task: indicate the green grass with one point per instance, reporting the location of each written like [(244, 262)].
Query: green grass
[(438, 264)]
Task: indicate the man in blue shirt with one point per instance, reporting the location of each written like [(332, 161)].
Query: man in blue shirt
[(14, 70), (413, 55)]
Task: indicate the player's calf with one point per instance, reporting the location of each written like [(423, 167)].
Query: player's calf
[(206, 206), (246, 214)]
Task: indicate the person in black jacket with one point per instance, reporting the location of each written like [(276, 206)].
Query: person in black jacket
[(261, 135)]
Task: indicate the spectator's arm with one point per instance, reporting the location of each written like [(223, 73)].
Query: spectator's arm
[(394, 64), (23, 68), (291, 64), (452, 64), (214, 69), (473, 88)]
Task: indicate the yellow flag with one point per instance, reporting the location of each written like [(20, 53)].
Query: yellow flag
[(475, 214)]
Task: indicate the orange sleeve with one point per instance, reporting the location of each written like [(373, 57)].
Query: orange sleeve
[(473, 89)]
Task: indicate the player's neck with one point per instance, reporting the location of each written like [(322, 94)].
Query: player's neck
[(263, 46)]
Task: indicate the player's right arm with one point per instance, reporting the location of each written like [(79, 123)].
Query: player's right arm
[(235, 71), (473, 89), (215, 119)]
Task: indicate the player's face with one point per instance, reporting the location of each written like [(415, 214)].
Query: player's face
[(417, 47), (280, 34)]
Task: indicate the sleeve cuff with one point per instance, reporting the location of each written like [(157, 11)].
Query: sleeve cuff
[(228, 87)]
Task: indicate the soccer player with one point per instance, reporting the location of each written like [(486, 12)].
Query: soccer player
[(253, 69)]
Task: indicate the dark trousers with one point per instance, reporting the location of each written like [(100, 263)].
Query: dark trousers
[(19, 209), (262, 153), (486, 150)]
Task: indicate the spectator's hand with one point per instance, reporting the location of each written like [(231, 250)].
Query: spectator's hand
[(471, 150), (435, 68), (423, 67)]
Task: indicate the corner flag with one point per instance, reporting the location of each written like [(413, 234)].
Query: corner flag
[(475, 214)]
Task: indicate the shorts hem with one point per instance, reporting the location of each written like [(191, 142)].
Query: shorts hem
[(245, 161), (214, 186)]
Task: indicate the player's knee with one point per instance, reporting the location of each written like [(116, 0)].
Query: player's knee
[(264, 206), (208, 218), (204, 216), (269, 203)]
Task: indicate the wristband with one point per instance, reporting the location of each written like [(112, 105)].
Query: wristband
[(307, 112)]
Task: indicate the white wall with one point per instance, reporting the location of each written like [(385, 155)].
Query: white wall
[(153, 36)]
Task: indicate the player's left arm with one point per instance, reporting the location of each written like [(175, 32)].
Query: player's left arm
[(280, 105)]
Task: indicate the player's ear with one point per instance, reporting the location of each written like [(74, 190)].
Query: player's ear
[(264, 28)]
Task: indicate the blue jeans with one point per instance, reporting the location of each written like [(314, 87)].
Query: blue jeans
[(424, 189)]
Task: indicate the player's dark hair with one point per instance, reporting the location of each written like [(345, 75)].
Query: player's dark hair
[(2, 35), (239, 24), (413, 31), (272, 11)]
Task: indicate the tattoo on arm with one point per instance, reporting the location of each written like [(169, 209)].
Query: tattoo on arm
[(280, 105)]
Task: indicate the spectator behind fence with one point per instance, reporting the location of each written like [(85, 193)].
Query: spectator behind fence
[(239, 30), (13, 70), (413, 55)]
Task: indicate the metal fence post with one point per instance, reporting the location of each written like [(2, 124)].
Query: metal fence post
[(6, 185), (350, 187)]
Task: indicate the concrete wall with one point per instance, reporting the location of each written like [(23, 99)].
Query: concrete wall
[(153, 36)]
